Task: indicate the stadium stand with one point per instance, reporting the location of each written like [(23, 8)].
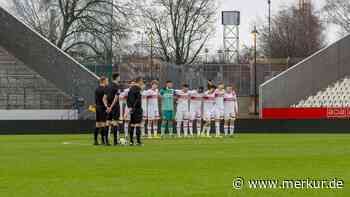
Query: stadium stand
[(22, 88), (336, 95), (36, 75), (317, 87)]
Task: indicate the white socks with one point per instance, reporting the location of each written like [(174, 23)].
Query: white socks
[(149, 129), (232, 128), (206, 128), (170, 129), (226, 129), (190, 126), (126, 130), (185, 127), (143, 129), (178, 128), (199, 125), (155, 129), (217, 128)]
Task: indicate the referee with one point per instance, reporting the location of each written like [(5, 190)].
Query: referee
[(111, 100), (100, 112), (134, 102)]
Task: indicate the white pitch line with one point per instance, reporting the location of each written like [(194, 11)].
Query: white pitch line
[(74, 143), (168, 142)]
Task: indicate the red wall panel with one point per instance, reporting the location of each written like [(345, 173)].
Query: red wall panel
[(305, 113)]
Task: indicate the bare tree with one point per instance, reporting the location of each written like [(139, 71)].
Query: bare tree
[(83, 27), (181, 27), (32, 14), (338, 13), (294, 33)]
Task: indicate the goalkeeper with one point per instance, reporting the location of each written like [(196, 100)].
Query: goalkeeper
[(167, 95)]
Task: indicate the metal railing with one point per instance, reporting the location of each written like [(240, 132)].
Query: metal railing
[(197, 75)]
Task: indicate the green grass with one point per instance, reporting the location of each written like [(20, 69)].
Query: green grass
[(42, 166)]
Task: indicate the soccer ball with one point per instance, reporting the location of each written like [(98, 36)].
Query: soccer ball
[(92, 108), (122, 141)]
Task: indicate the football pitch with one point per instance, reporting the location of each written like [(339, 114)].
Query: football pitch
[(68, 165)]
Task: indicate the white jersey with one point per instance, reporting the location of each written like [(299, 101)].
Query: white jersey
[(182, 108), (219, 99), (196, 100), (219, 103), (152, 98), (122, 102), (152, 104), (182, 100), (231, 105), (144, 103), (209, 105), (123, 96)]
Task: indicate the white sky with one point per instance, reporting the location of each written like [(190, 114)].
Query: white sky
[(250, 10), (3, 3)]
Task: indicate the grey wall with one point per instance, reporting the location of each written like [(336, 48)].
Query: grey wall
[(11, 127), (307, 77), (45, 58)]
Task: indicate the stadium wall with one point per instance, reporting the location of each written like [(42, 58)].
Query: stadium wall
[(29, 114), (46, 126), (307, 77), (243, 126), (305, 113), (293, 126)]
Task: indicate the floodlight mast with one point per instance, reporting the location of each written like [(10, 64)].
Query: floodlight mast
[(231, 22)]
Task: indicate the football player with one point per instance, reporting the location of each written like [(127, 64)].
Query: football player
[(152, 109), (134, 103), (182, 109), (196, 100), (208, 109), (144, 110), (219, 108), (167, 96), (124, 112), (230, 110), (100, 112), (111, 99)]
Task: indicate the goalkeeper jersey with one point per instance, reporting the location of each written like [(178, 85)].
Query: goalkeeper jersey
[(167, 99)]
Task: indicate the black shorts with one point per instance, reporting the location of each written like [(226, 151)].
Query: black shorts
[(114, 114), (101, 115), (136, 116)]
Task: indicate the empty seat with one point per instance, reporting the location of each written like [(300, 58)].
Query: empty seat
[(335, 95)]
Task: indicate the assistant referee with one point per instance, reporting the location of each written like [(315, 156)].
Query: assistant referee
[(134, 102)]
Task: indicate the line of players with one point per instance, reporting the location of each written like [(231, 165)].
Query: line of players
[(194, 109)]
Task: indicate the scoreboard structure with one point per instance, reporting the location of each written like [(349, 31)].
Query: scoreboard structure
[(231, 21)]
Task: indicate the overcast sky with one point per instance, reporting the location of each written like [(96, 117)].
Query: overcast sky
[(250, 10), (4, 2)]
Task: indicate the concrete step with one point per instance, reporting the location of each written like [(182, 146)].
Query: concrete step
[(7, 61)]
